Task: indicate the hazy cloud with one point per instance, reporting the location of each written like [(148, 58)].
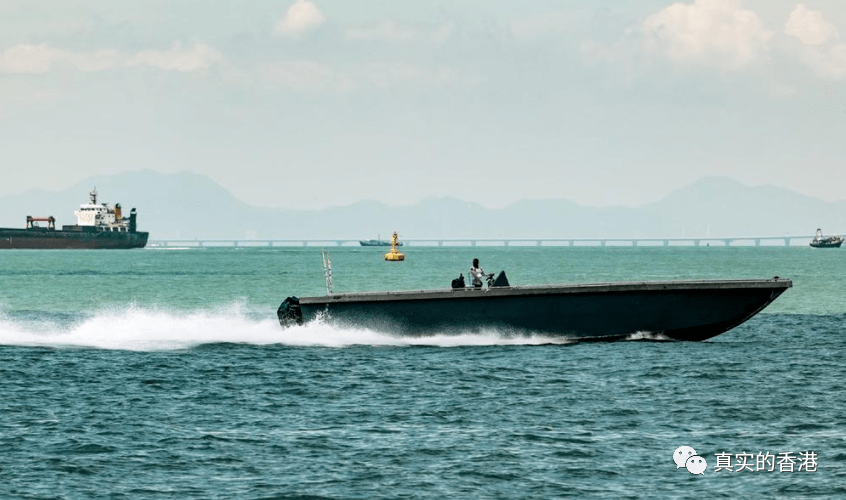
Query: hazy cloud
[(714, 34), (542, 25), (829, 62), (819, 51), (42, 58), (305, 75), (387, 75), (810, 27), (320, 77), (708, 32), (625, 61), (390, 31), (302, 16), (178, 58)]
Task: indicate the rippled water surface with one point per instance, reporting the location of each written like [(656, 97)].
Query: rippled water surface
[(164, 374)]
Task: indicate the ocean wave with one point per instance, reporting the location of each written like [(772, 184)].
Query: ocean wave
[(649, 336), (138, 328)]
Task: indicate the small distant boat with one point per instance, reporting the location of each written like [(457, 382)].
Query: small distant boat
[(376, 243), (826, 242), (395, 255)]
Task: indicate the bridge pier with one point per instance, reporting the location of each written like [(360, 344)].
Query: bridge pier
[(787, 242), (757, 242)]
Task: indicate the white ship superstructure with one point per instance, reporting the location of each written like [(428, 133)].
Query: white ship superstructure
[(99, 215)]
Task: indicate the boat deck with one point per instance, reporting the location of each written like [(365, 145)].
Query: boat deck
[(561, 289)]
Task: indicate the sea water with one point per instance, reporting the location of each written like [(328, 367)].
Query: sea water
[(163, 373)]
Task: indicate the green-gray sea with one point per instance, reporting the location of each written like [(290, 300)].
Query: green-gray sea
[(163, 373)]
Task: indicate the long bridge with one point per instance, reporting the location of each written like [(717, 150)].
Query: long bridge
[(501, 242)]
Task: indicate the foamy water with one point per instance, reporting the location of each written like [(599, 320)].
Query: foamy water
[(140, 329)]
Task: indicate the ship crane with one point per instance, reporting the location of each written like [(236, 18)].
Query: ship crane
[(31, 222)]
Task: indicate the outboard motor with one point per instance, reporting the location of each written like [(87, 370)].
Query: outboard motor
[(132, 216), (459, 281), (289, 312)]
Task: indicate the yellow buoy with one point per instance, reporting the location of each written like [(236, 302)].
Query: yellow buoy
[(394, 254)]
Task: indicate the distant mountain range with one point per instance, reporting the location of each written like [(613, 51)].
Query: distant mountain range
[(186, 205)]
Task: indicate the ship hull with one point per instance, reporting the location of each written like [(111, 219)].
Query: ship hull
[(827, 244), (376, 243), (60, 239), (680, 310)]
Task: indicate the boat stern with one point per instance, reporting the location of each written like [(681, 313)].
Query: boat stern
[(289, 312)]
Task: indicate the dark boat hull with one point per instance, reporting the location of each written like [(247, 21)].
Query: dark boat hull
[(827, 244), (60, 239), (681, 310), (376, 243)]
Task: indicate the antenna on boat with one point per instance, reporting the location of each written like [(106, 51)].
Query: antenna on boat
[(327, 271)]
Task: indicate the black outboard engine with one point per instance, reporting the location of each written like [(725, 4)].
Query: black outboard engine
[(289, 312), (459, 281), (132, 216)]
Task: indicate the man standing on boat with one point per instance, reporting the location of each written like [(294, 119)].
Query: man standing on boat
[(477, 273)]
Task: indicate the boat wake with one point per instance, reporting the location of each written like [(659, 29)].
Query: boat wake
[(145, 329), (650, 336)]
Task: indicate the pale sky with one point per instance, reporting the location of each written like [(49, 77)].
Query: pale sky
[(312, 103)]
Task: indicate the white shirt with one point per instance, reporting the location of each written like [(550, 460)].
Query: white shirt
[(477, 273)]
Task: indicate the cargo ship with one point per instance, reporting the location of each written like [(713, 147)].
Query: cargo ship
[(97, 226), (376, 243)]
